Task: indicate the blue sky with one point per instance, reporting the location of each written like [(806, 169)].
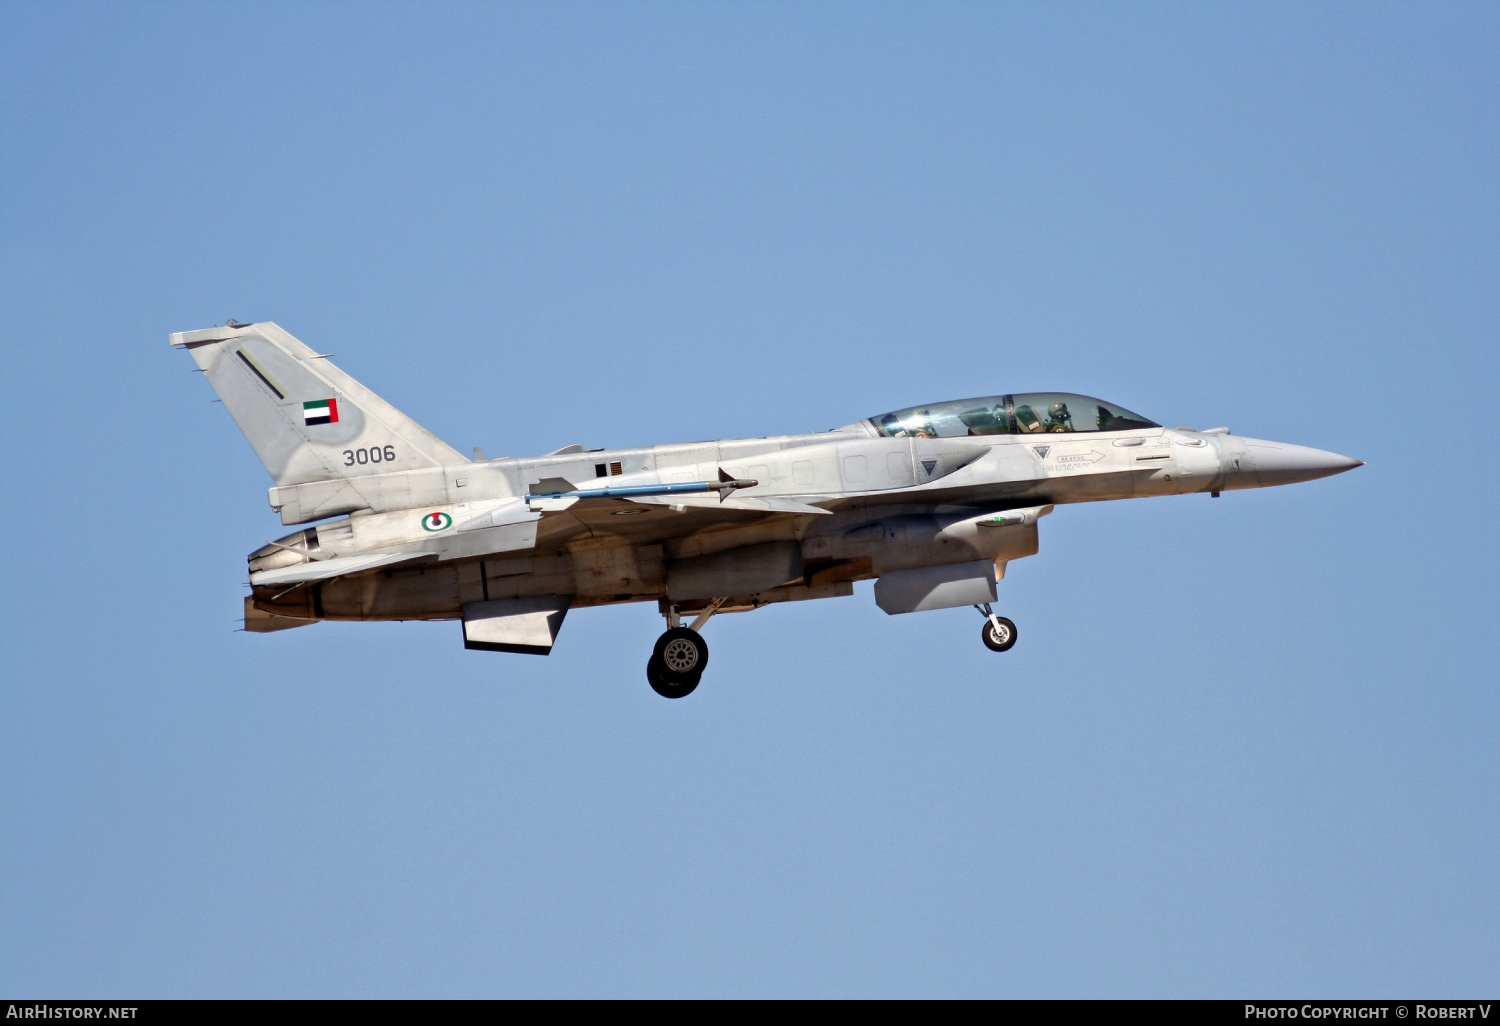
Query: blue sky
[(1243, 747)]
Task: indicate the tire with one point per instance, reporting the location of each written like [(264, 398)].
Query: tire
[(680, 653), (1001, 642), (665, 688)]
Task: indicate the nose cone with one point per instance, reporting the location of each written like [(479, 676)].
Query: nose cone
[(1276, 463)]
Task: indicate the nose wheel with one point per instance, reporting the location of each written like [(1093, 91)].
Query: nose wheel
[(998, 632), (677, 662)]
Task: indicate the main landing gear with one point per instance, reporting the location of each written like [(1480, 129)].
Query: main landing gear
[(998, 633), (677, 662)]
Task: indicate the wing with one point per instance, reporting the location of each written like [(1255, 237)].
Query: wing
[(642, 521)]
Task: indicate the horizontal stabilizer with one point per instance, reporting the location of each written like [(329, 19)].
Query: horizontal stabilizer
[(259, 621), (324, 569)]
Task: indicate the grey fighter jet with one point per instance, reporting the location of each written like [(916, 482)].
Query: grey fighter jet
[(931, 502)]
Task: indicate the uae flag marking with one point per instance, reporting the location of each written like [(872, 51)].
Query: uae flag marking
[(321, 411)]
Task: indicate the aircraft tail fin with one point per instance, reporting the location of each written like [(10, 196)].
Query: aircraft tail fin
[(306, 419)]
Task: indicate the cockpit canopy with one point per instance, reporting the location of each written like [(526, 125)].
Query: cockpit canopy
[(1024, 414)]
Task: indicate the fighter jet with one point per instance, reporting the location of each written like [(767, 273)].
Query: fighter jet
[(931, 502)]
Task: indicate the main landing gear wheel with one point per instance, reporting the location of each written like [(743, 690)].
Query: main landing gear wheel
[(999, 634), (677, 662), (665, 688)]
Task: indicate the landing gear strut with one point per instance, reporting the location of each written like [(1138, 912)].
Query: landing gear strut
[(677, 662), (998, 633)]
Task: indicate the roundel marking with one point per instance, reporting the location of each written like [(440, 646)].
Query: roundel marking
[(436, 522)]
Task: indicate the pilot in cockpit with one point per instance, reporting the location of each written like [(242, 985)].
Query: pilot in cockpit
[(1058, 417)]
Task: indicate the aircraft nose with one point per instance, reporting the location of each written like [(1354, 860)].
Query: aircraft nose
[(1277, 463)]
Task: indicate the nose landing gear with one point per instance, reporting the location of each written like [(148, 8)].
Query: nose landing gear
[(998, 633)]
